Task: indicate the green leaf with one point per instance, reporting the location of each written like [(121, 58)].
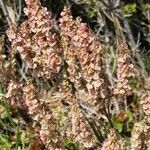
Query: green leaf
[(68, 145), (91, 13), (129, 9), (1, 90), (137, 100), (5, 142), (130, 116), (118, 125), (97, 133), (134, 82), (18, 134)]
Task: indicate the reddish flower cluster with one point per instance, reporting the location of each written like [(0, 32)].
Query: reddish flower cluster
[(36, 107), (125, 69), (145, 103), (140, 138), (78, 129), (113, 142), (83, 52), (35, 41)]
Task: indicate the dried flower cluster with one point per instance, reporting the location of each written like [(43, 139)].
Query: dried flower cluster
[(83, 52), (36, 42), (145, 102), (78, 55), (26, 97), (125, 70), (113, 142), (40, 113), (14, 94), (140, 138), (78, 130)]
